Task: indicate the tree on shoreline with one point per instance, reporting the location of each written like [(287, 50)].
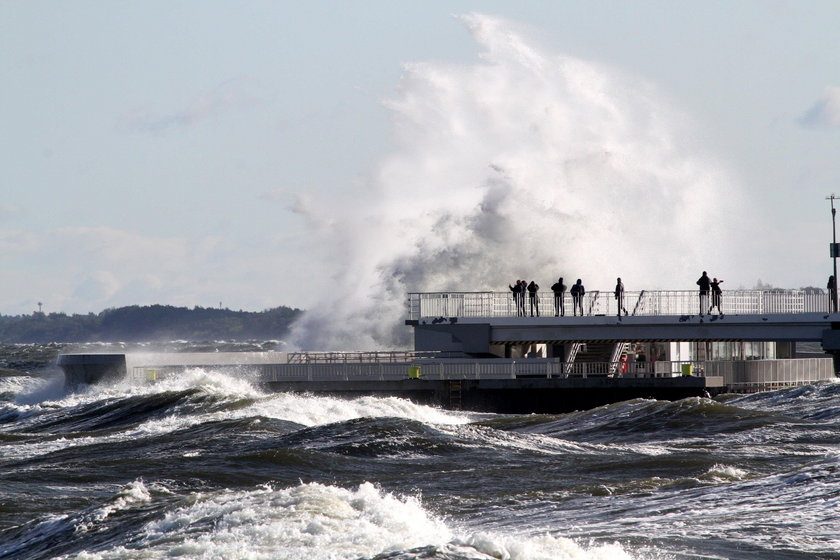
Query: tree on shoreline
[(148, 324)]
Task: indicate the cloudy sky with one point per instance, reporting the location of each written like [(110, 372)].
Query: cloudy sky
[(205, 153)]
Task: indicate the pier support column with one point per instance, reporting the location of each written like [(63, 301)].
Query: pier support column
[(831, 344), (835, 358)]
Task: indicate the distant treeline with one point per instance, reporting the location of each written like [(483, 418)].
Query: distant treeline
[(148, 324)]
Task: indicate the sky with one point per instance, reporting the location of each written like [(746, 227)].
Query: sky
[(319, 155)]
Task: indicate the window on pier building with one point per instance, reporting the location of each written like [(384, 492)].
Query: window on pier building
[(733, 350), (759, 350)]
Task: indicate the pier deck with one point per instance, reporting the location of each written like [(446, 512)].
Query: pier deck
[(462, 357), (473, 322)]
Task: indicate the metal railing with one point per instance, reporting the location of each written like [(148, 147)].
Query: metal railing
[(740, 376), (734, 373), (378, 356), (477, 369), (647, 303), (753, 375)]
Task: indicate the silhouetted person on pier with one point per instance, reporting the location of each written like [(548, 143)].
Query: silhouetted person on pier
[(577, 291), (533, 287), (559, 289), (716, 295), (619, 297), (832, 294), (517, 293), (705, 285), (518, 290)]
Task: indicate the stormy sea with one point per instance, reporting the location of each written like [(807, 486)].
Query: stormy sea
[(207, 465)]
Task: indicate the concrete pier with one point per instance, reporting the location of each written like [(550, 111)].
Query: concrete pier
[(517, 396), (475, 351)]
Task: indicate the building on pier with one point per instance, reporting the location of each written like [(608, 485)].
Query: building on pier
[(661, 326)]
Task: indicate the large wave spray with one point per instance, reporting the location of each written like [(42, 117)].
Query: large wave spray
[(525, 164)]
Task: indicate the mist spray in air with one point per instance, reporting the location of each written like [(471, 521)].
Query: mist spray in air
[(525, 164)]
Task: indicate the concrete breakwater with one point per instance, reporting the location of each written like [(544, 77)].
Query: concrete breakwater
[(489, 385)]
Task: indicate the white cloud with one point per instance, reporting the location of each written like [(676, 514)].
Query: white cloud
[(98, 285), (108, 267), (280, 194), (8, 210), (227, 96), (102, 267), (17, 241), (88, 269), (825, 112), (117, 247)]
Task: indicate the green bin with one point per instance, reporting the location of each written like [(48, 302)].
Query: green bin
[(687, 369), (414, 372)]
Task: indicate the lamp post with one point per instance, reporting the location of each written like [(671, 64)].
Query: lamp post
[(833, 250)]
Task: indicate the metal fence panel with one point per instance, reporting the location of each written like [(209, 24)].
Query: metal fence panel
[(746, 375), (655, 302)]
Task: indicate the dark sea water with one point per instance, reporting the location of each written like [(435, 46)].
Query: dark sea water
[(209, 466)]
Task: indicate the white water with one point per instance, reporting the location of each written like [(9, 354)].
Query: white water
[(524, 164), (317, 521), (307, 410)]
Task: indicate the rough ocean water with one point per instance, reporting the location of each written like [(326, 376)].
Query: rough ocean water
[(207, 465)]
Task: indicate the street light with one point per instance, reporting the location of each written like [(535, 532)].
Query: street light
[(834, 251)]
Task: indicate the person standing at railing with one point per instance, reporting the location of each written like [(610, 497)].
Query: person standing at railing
[(559, 289), (523, 287), (516, 294), (716, 295), (705, 285), (832, 294), (533, 287), (619, 297), (577, 291)]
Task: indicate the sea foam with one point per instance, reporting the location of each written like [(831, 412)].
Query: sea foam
[(250, 401), (318, 521)]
